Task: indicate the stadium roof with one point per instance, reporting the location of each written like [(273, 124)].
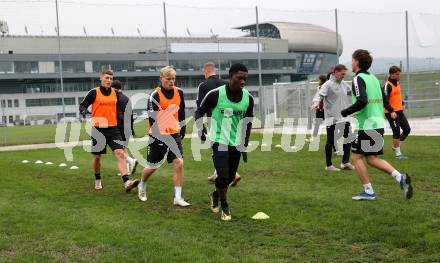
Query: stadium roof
[(301, 37)]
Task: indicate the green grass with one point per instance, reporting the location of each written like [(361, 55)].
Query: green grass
[(53, 215), (19, 135)]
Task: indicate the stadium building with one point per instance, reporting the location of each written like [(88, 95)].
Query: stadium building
[(30, 80)]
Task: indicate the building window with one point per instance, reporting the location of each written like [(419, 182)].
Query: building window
[(150, 66), (6, 67), (67, 114), (116, 66), (11, 119), (16, 103), (9, 103), (51, 87), (3, 103), (26, 66), (71, 66), (49, 102)]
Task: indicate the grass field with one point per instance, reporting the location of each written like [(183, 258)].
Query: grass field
[(48, 214), (19, 135)]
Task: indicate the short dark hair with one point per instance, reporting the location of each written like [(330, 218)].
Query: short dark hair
[(322, 78), (394, 69), (107, 72), (364, 58), (117, 84), (340, 67), (236, 68)]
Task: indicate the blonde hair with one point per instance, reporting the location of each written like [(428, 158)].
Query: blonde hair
[(167, 71), (209, 64)]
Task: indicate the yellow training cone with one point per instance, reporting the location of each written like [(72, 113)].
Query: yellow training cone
[(260, 215)]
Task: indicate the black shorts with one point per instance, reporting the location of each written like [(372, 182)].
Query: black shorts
[(369, 142), (226, 160), (101, 137), (399, 123), (157, 150), (319, 114), (125, 139)]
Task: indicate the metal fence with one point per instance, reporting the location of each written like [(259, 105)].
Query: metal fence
[(285, 101), (293, 100), (405, 38)]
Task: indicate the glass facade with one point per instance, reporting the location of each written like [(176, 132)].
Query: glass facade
[(26, 66), (149, 66), (189, 72), (71, 66), (154, 66), (251, 64), (6, 67), (49, 102), (116, 66), (50, 86)]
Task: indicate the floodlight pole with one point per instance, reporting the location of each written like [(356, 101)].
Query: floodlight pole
[(337, 36), (309, 111), (60, 61), (218, 58), (408, 93), (4, 121), (166, 34), (260, 81)]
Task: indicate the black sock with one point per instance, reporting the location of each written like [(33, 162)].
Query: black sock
[(215, 194), (125, 178), (223, 203), (98, 176)]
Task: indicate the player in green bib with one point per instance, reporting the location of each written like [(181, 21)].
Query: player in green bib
[(368, 104), (230, 125)]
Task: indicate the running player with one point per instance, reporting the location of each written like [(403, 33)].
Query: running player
[(104, 128), (166, 110), (393, 92), (368, 103), (334, 93), (124, 106), (231, 106), (211, 82)]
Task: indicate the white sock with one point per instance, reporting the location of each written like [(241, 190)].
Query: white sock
[(129, 159), (397, 151), (128, 168), (143, 185), (368, 188), (397, 175), (178, 192)]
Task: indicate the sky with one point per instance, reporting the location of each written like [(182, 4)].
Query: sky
[(375, 25)]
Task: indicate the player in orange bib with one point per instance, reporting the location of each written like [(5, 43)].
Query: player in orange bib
[(397, 121), (103, 100), (166, 110)]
